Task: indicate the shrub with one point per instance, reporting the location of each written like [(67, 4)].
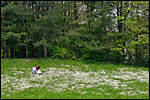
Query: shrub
[(59, 52)]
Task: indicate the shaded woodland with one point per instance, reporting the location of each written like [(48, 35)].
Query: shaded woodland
[(107, 31)]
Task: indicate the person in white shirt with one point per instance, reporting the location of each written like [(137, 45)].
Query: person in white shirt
[(36, 70)]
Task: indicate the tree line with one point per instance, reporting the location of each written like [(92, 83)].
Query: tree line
[(114, 31)]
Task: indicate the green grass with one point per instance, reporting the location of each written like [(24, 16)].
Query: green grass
[(133, 89)]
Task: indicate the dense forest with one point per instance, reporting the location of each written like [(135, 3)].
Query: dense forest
[(107, 31)]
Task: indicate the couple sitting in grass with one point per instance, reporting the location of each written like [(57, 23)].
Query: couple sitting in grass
[(36, 70)]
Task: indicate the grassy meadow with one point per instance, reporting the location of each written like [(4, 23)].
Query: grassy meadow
[(72, 79)]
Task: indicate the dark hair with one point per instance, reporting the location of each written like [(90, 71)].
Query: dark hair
[(38, 67)]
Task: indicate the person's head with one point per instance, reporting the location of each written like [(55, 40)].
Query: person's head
[(38, 67)]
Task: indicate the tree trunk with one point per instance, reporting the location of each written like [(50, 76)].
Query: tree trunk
[(34, 53), (12, 51), (137, 55), (137, 46), (7, 48), (75, 13), (75, 10), (15, 50), (27, 52), (45, 51), (23, 52), (121, 27), (3, 52), (119, 13)]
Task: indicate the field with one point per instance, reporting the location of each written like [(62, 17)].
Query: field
[(69, 79)]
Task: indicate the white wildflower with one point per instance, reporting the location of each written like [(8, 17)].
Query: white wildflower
[(60, 79)]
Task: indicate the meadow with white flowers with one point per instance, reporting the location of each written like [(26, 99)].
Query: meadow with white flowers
[(68, 79)]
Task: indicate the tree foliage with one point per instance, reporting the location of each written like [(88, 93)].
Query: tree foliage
[(114, 31)]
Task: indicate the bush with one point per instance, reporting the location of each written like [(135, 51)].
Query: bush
[(59, 52), (98, 55), (85, 53)]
